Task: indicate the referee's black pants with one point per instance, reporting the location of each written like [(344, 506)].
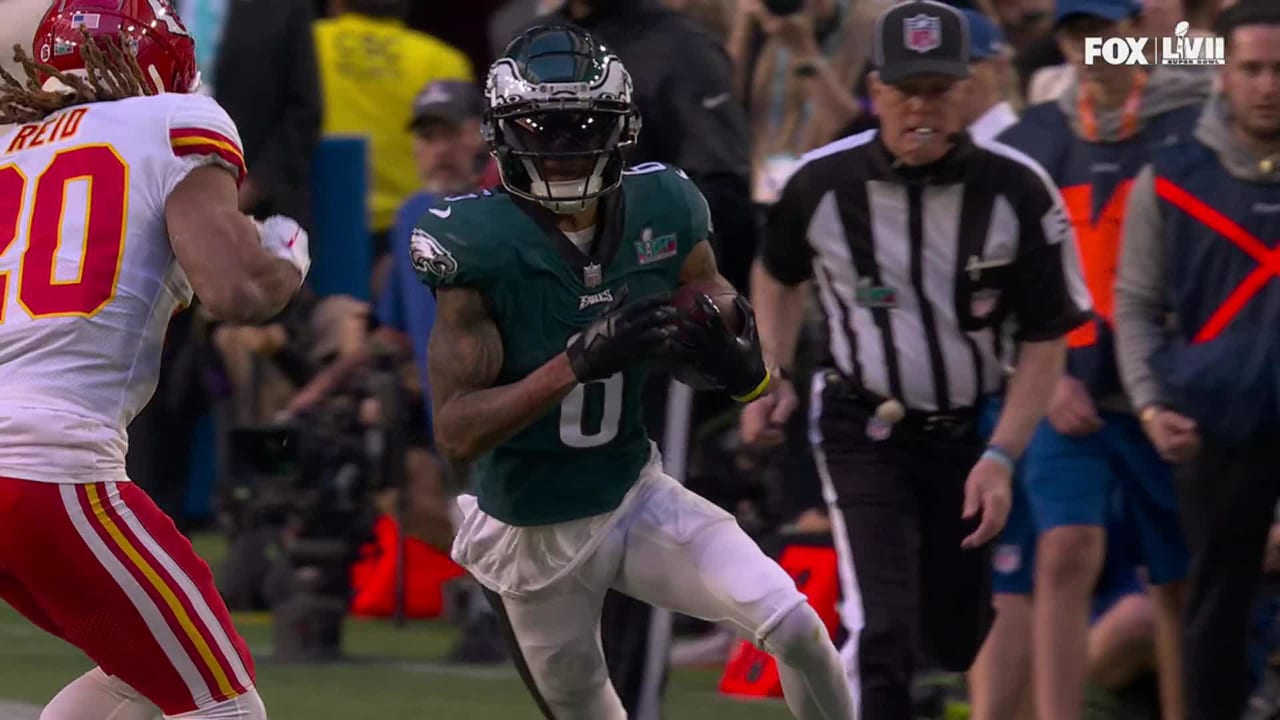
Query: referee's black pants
[(1228, 501), (907, 585)]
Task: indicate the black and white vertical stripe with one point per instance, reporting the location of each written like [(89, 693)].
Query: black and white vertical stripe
[(867, 229)]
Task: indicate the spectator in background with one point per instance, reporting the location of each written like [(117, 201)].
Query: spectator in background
[(714, 15), (276, 112), (1092, 141), (1025, 22), (371, 67), (451, 158), (1199, 234), (1047, 74), (512, 18), (266, 364), (989, 114), (278, 117), (796, 75)]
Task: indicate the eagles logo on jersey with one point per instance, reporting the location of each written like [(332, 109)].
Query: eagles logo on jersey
[(429, 256), (560, 117)]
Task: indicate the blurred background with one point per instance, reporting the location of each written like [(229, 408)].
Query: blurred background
[(297, 453)]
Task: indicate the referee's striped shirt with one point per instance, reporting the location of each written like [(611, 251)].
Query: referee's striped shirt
[(926, 276)]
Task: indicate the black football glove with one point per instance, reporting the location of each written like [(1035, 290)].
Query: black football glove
[(733, 363), (623, 335)]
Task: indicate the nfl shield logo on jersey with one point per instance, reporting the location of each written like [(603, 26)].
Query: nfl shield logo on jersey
[(592, 275), (922, 33)]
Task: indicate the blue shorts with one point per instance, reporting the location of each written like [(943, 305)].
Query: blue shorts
[(1132, 536), (1071, 481), (1119, 577), (1013, 562)]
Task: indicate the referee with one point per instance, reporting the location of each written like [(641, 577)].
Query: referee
[(934, 260)]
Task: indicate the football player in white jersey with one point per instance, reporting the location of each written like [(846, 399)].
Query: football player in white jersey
[(118, 199)]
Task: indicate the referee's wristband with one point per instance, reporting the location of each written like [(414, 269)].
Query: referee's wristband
[(1000, 455)]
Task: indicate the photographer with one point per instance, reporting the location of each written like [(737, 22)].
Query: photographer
[(796, 65), (450, 157), (265, 364)]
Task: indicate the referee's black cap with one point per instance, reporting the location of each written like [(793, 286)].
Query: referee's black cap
[(921, 37)]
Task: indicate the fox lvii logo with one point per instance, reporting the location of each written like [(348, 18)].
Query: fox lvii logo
[(1177, 50), (586, 301)]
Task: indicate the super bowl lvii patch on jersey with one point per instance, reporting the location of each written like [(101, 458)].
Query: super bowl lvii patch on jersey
[(428, 255), (650, 249)]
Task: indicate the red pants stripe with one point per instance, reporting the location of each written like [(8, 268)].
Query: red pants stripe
[(102, 567)]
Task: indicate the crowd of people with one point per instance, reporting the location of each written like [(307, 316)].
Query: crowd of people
[(1140, 511)]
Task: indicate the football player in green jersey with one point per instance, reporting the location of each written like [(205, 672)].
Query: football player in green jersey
[(551, 302)]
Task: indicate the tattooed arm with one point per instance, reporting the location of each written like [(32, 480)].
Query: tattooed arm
[(464, 356), (700, 264)]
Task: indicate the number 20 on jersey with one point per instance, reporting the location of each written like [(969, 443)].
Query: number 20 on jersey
[(38, 214)]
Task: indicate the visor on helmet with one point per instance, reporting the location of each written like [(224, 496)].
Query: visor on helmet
[(552, 134)]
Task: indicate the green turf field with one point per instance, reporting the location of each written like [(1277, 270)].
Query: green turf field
[(392, 674), (395, 674)]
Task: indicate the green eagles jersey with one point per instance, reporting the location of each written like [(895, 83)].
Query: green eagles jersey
[(582, 457)]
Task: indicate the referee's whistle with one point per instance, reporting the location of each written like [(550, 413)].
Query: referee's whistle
[(891, 411)]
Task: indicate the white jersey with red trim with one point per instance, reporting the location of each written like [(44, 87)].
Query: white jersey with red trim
[(88, 280)]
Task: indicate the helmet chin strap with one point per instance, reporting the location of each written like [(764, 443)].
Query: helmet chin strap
[(572, 191)]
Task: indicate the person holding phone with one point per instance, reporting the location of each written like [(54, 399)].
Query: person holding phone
[(796, 65)]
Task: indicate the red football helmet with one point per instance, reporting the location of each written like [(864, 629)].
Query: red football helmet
[(150, 29)]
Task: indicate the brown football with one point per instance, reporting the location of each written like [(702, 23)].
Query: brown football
[(685, 300)]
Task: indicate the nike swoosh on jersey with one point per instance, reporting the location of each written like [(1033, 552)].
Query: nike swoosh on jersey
[(716, 101), (441, 213)]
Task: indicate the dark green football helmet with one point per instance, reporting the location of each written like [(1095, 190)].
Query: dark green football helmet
[(559, 117)]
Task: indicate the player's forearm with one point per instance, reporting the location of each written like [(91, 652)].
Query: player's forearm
[(267, 287), (473, 422), (245, 283), (1040, 366), (779, 316)]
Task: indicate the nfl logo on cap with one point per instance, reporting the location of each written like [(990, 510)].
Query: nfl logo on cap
[(922, 33)]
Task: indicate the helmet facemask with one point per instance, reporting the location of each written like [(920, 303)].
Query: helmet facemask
[(563, 158), (559, 119)]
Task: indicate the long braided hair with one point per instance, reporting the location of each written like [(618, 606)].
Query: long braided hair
[(112, 74)]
